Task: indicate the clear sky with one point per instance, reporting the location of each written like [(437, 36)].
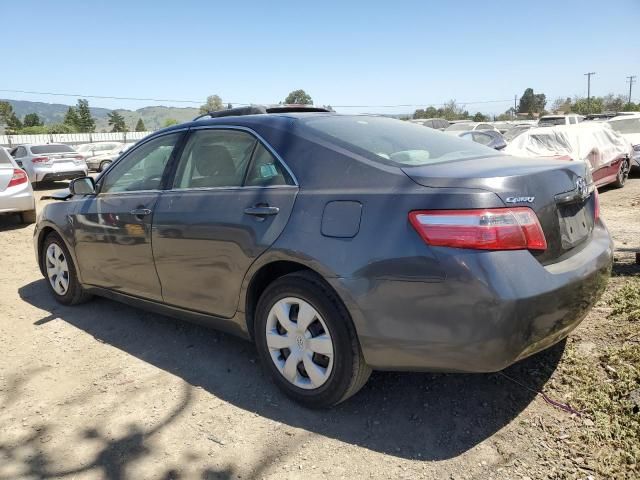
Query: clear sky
[(341, 53)]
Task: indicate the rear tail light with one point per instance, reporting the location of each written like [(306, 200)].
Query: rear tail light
[(596, 209), (39, 159), (19, 177), (487, 229)]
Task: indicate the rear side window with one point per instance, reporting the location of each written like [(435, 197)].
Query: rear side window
[(19, 152), (393, 142), (482, 138), (214, 158), (38, 149), (266, 171)]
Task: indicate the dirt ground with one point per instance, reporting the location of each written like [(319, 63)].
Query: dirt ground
[(103, 390)]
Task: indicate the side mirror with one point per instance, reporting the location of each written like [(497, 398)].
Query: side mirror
[(82, 186)]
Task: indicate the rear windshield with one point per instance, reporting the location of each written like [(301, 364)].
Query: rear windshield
[(628, 125), (51, 149), (551, 121), (394, 142), (4, 159)]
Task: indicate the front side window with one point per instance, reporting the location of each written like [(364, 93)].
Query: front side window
[(214, 158), (143, 168)]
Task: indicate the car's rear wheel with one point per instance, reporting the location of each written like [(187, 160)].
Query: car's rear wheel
[(306, 340), (104, 165), (60, 272), (28, 216), (623, 174)]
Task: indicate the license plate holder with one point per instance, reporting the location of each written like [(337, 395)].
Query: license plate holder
[(575, 224)]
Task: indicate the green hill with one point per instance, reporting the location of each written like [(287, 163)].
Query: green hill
[(153, 117)]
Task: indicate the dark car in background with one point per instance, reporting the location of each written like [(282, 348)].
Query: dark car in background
[(337, 243)]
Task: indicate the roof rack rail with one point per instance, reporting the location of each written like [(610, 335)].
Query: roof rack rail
[(261, 110)]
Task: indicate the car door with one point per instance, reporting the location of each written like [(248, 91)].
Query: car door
[(230, 199), (112, 229)]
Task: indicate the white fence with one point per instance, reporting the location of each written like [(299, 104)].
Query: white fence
[(72, 138)]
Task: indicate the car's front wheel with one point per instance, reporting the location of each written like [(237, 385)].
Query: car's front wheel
[(60, 272), (306, 340)]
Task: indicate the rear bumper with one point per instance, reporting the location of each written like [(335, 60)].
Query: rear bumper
[(53, 175), (491, 310), (17, 199)]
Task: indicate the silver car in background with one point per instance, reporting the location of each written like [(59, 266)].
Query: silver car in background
[(50, 162), (90, 152), (102, 161), (16, 194)]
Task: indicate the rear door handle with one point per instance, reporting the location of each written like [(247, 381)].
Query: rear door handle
[(140, 212), (261, 211)]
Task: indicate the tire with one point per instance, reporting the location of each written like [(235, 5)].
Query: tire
[(623, 174), (340, 373), (104, 165), (28, 217), (73, 293)]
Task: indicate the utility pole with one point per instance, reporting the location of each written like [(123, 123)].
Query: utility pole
[(588, 75), (515, 105), (631, 80)]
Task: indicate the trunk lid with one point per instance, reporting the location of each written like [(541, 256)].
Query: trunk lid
[(553, 189)]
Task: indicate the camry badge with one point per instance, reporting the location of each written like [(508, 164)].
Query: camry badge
[(520, 199)]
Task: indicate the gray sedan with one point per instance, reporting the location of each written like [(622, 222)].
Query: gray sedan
[(337, 243)]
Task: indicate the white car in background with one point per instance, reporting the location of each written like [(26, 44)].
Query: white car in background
[(456, 128), (90, 151), (628, 126), (16, 194), (49, 162), (555, 120), (100, 162)]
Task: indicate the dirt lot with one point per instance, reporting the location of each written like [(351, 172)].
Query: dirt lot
[(103, 390)]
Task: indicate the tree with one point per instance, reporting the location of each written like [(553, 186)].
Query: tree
[(170, 121), (229, 106), (561, 105), (532, 102), (581, 106), (60, 128), (140, 126), (32, 120), (479, 117), (71, 119), (34, 130), (116, 121), (613, 103), (9, 119), (298, 97), (213, 104), (86, 123)]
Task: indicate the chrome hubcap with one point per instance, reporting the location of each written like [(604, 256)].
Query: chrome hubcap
[(299, 343), (57, 269)]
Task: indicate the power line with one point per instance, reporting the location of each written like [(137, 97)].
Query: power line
[(199, 102)]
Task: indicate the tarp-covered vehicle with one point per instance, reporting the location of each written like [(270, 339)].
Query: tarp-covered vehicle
[(606, 151)]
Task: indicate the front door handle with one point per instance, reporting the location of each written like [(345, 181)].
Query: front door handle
[(140, 212), (261, 211)]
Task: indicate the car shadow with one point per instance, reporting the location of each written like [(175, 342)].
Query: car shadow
[(11, 221), (421, 416)]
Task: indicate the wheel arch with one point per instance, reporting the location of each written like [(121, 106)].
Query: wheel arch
[(45, 230)]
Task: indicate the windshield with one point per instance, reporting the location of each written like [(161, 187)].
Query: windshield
[(51, 149), (393, 141), (628, 125), (459, 127)]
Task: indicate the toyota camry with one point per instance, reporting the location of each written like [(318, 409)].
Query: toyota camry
[(338, 244)]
